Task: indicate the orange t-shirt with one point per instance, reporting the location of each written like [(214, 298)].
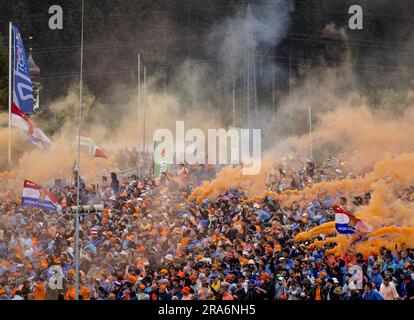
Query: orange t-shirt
[(318, 293), (184, 242), (70, 294), (85, 293), (39, 292)]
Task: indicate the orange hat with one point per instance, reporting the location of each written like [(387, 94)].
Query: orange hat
[(323, 274), (269, 250), (163, 287), (164, 270), (266, 275), (193, 277), (141, 286), (2, 291), (283, 297), (113, 240), (57, 260), (319, 280), (71, 272), (105, 221), (181, 274), (186, 290)]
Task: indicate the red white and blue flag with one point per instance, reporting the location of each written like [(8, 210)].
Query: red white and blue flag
[(23, 91), (347, 223), (35, 195), (22, 121)]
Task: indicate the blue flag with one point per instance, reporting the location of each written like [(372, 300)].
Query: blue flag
[(23, 91)]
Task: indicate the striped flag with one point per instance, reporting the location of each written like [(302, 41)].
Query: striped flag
[(35, 195), (347, 223), (87, 145), (22, 121)]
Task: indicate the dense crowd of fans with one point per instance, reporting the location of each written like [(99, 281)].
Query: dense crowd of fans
[(150, 243)]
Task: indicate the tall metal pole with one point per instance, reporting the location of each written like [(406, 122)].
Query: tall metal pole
[(138, 111), (273, 95), (234, 101), (78, 166), (144, 105), (10, 87), (310, 132), (290, 81)]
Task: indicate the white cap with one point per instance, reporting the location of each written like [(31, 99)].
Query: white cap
[(251, 261), (335, 280)]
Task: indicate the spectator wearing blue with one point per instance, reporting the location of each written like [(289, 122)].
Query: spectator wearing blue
[(376, 277), (389, 264), (370, 293), (403, 259)]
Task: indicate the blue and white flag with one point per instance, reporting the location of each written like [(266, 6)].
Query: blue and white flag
[(23, 91)]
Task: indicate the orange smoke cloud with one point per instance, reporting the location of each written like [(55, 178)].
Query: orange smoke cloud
[(231, 178), (387, 213), (326, 228)]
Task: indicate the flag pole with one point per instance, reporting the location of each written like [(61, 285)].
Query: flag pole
[(78, 166), (234, 101), (144, 115), (139, 108), (10, 88), (310, 132)]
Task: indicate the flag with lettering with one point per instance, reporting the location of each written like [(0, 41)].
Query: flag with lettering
[(23, 91), (347, 223)]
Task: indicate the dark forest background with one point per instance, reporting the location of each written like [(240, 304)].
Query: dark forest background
[(167, 32)]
